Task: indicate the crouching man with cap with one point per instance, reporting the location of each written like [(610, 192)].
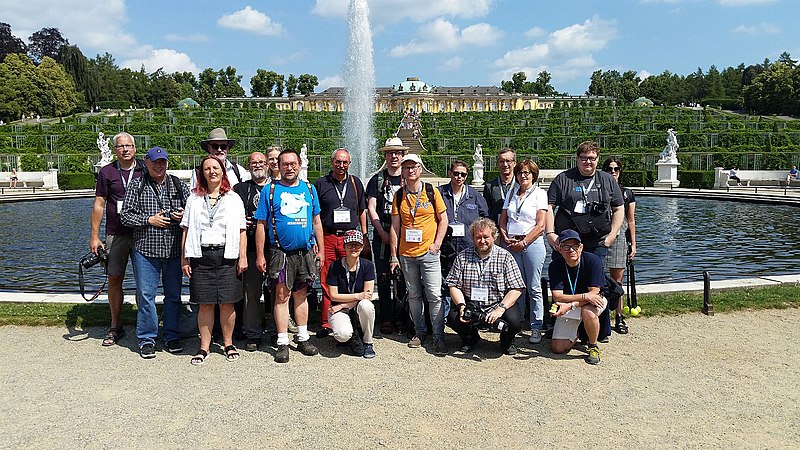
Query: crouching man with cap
[(153, 207), (575, 282), (485, 283), (351, 281)]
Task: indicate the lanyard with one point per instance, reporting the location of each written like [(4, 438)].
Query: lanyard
[(351, 287), (483, 264), (159, 192), (574, 285), (585, 192), (457, 202), (125, 182), (341, 193), (417, 204), (519, 205), (503, 192), (212, 211)]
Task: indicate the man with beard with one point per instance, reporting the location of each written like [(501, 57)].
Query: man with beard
[(219, 145)]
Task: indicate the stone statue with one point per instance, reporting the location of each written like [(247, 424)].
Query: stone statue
[(105, 152), (477, 168), (304, 162), (670, 152)]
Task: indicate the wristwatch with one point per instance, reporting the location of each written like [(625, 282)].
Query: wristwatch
[(502, 306)]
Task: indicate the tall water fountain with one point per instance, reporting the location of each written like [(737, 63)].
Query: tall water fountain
[(359, 81)]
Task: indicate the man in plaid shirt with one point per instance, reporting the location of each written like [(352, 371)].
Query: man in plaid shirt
[(153, 207), (485, 283)]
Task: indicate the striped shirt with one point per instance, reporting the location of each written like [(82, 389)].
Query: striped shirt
[(141, 202), (498, 272)]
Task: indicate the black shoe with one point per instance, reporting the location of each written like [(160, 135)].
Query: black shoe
[(603, 339), (511, 350), (148, 351), (173, 346), (282, 355), (252, 344), (356, 344), (307, 348), (323, 333)]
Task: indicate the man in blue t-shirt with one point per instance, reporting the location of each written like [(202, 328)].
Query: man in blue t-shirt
[(575, 282), (288, 212)]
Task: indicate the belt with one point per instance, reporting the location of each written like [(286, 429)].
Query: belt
[(213, 247), (335, 232)]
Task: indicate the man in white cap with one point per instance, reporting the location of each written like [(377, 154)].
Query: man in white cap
[(419, 224), (219, 145)]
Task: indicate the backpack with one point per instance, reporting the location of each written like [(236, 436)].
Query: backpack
[(428, 192)]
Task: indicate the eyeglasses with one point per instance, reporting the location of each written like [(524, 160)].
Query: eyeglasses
[(258, 163), (290, 164), (341, 163), (395, 153), (587, 158), (570, 248), (124, 146), (506, 162), (410, 168), (614, 169), (459, 174), (525, 173), (219, 146)]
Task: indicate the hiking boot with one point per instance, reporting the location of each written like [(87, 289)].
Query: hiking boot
[(416, 341), (174, 346), (594, 356), (439, 348), (148, 351), (307, 348), (511, 350), (369, 352), (282, 355), (536, 336)]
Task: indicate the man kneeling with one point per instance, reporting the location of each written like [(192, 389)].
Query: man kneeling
[(575, 283), (351, 281), (485, 283)]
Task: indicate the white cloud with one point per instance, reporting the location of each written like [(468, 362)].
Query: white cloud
[(643, 74), (745, 2), (391, 11), (194, 37), (593, 34), (331, 81), (441, 36), (757, 30), (168, 59), (251, 20), (535, 32), (452, 64)]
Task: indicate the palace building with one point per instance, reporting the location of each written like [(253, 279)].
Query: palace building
[(417, 95)]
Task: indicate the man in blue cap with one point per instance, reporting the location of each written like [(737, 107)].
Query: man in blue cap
[(153, 207)]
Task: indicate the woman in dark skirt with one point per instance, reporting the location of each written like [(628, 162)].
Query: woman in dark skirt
[(214, 253)]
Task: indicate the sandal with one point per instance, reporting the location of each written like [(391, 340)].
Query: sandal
[(199, 358), (113, 336), (620, 326), (231, 354)]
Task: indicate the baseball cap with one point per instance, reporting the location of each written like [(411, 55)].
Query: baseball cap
[(353, 236), (156, 153), (569, 234), (411, 157)]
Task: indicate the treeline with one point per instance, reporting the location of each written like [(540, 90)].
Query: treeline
[(51, 77)]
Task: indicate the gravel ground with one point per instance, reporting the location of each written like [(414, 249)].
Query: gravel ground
[(684, 381)]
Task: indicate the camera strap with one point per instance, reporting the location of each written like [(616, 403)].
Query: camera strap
[(82, 284)]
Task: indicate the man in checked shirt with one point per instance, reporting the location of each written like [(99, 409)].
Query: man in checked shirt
[(485, 283)]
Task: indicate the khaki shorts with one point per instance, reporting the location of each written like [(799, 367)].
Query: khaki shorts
[(120, 249), (568, 328)]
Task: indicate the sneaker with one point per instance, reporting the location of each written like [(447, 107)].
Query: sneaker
[(603, 340), (536, 336), (439, 348), (148, 351), (511, 350), (174, 346), (594, 356), (252, 344), (415, 342), (282, 355), (369, 352), (323, 333), (292, 326), (307, 348), (356, 345)]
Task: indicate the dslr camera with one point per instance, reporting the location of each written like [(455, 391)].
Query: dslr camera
[(91, 259), (475, 315)]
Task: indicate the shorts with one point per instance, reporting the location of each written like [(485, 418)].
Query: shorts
[(120, 249), (568, 328), (296, 269)]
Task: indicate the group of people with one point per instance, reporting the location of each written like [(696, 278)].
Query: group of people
[(459, 257)]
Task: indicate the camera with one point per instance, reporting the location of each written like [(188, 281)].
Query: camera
[(475, 315), (596, 208), (168, 214), (91, 259)]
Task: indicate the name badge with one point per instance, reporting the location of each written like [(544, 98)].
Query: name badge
[(341, 215), (480, 294), (119, 206), (580, 207), (458, 229), (574, 314), (413, 235), (516, 229)]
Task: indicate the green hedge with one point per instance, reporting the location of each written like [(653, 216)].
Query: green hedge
[(699, 179), (68, 181)]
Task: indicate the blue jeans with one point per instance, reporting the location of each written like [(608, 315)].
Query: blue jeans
[(423, 276), (530, 262), (147, 271)]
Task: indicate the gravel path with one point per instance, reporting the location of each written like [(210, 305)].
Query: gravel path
[(684, 381)]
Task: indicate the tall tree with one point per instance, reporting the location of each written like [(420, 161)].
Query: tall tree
[(10, 43), (86, 77), (187, 84), (306, 83), (19, 90), (264, 83), (46, 42), (57, 93), (542, 84), (786, 58), (291, 85)]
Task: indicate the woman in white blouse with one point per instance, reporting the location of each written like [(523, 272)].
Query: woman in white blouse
[(521, 225), (214, 253)]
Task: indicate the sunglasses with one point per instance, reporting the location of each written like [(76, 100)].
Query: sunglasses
[(614, 169), (459, 174), (219, 146)]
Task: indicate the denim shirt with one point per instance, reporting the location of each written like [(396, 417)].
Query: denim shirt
[(472, 207)]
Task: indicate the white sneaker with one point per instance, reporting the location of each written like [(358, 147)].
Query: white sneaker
[(536, 337)]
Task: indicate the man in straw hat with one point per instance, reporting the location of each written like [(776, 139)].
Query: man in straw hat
[(219, 145), (380, 195)]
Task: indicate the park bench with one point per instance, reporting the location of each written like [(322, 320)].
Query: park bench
[(776, 178), (31, 180)]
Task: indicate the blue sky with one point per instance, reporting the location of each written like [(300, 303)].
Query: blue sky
[(444, 42)]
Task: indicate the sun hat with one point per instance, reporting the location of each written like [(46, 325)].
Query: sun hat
[(353, 236), (156, 153), (217, 134), (393, 143)]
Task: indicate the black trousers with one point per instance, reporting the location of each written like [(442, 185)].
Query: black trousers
[(469, 331)]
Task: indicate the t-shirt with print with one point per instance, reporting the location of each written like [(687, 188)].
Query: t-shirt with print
[(294, 208), (354, 284), (384, 195), (424, 219)]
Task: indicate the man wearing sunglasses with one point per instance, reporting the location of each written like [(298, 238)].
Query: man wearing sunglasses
[(219, 145), (464, 206)]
